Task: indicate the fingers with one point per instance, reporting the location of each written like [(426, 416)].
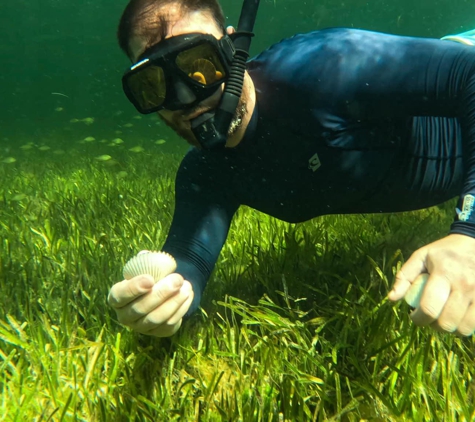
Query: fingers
[(163, 312), (467, 325), (165, 330), (445, 308), (152, 309), (154, 297), (446, 301), (406, 275), (182, 310), (434, 298), (174, 323), (452, 313), (126, 291)]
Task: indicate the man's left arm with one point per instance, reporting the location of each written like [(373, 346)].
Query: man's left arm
[(440, 81)]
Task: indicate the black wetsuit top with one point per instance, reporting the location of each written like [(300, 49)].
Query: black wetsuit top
[(346, 121)]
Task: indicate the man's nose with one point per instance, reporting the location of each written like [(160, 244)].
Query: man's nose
[(183, 94)]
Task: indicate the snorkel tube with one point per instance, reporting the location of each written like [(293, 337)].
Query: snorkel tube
[(211, 128)]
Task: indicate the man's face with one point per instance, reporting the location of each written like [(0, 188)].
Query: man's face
[(184, 23)]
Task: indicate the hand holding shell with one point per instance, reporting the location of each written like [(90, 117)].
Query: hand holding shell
[(156, 264)]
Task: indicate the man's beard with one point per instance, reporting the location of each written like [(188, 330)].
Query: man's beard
[(187, 134), (236, 122)]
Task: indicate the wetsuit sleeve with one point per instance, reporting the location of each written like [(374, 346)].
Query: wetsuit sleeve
[(201, 220), (373, 76)]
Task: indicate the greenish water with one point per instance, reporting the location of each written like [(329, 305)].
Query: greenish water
[(70, 217), (70, 47)]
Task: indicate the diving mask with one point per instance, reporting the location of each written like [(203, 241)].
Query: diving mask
[(178, 72)]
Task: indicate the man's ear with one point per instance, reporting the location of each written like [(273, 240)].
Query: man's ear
[(230, 30)]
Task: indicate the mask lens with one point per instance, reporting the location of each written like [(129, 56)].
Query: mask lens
[(202, 64), (148, 87)]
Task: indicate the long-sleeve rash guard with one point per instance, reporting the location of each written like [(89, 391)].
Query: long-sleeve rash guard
[(346, 121)]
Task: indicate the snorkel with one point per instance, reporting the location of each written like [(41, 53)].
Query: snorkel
[(211, 128)]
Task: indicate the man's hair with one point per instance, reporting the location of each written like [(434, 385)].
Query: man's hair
[(140, 19)]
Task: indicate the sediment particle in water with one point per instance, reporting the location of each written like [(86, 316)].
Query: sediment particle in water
[(137, 149), (104, 157)]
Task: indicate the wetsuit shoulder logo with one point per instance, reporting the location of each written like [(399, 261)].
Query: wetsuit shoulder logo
[(467, 208), (314, 162)]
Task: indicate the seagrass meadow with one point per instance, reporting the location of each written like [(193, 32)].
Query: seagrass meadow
[(294, 325)]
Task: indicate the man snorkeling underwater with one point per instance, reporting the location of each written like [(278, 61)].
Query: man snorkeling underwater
[(377, 123)]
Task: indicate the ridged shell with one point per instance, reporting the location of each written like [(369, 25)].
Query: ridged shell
[(206, 68), (157, 264), (414, 294)]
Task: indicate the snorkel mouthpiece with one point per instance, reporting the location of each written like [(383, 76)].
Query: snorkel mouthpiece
[(211, 129)]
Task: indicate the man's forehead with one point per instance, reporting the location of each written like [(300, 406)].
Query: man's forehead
[(176, 23)]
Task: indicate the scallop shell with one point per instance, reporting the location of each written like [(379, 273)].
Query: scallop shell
[(157, 264), (414, 294), (206, 68)]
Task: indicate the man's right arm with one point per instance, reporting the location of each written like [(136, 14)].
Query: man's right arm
[(203, 213)]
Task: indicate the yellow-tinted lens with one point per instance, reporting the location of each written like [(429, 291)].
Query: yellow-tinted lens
[(201, 63), (148, 87)]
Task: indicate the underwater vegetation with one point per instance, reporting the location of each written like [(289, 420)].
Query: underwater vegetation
[(294, 326)]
